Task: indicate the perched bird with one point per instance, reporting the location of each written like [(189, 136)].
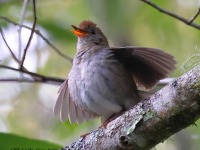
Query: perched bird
[(103, 80)]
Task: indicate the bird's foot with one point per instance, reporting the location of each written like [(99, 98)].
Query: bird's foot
[(111, 118)]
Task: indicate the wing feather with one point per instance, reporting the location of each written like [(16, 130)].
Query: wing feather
[(59, 101), (80, 115), (72, 111), (64, 107), (146, 65), (67, 107)]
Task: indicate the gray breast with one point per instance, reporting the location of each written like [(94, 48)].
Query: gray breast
[(103, 86)]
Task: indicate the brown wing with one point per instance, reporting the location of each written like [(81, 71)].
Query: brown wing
[(147, 65), (66, 107)]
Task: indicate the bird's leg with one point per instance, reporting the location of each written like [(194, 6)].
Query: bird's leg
[(111, 118), (105, 123)]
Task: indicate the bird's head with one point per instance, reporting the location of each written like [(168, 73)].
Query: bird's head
[(89, 34)]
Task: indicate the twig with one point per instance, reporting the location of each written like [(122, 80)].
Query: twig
[(56, 49), (25, 80), (30, 38), (13, 55), (25, 4), (42, 36), (182, 19), (195, 16), (17, 80), (37, 77)]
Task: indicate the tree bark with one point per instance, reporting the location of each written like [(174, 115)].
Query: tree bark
[(152, 121)]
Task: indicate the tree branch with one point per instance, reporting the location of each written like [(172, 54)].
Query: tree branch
[(42, 36), (182, 19), (11, 52), (153, 120), (24, 7), (195, 16), (36, 77), (31, 36)]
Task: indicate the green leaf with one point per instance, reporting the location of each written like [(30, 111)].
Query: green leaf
[(10, 141)]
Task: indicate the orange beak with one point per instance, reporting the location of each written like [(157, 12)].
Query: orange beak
[(79, 32)]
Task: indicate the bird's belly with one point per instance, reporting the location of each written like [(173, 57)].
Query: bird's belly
[(105, 90)]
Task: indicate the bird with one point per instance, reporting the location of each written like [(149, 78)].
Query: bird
[(104, 80)]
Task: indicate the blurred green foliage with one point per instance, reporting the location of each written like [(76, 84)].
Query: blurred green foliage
[(123, 22), (12, 141)]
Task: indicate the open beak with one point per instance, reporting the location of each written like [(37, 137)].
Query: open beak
[(79, 32)]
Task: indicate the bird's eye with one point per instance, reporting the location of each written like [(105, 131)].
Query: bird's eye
[(93, 32)]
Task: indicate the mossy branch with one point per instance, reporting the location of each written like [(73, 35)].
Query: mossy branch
[(152, 121)]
